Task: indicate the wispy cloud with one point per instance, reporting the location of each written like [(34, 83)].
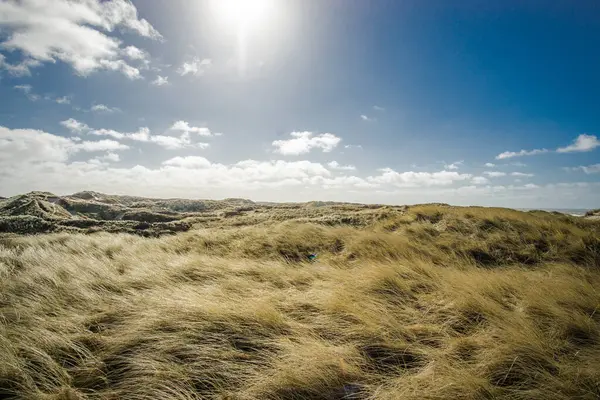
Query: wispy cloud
[(184, 126), (581, 144), (366, 118), (490, 165), (521, 174), (102, 108), (28, 92), (134, 53), (108, 157), (588, 169), (20, 69), (591, 169), (75, 126), (142, 135), (195, 67), (416, 179), (160, 81), (101, 145), (63, 100), (494, 174), (378, 108), (338, 166), (480, 180), (36, 158), (455, 165), (511, 154), (304, 142), (191, 162)]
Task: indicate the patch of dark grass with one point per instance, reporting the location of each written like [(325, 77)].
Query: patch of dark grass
[(385, 357)]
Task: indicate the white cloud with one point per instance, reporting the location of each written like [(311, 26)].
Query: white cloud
[(36, 160), (28, 145), (378, 108), (101, 108), (589, 169), (108, 132), (580, 144), (22, 146), (183, 126), (160, 81), (108, 157), (24, 88), (169, 142), (63, 100), (143, 135), (366, 118), (173, 143), (304, 142), (344, 182), (521, 174), (455, 165), (101, 145), (336, 165), (123, 67), (193, 162), (279, 169), (76, 33), (75, 126), (134, 53), (41, 160), (494, 174), (480, 180), (20, 69), (518, 164), (416, 179), (27, 91), (195, 67), (141, 57), (490, 165), (511, 154), (353, 146)]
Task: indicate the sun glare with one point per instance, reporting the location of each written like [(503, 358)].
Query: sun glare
[(244, 18), (242, 14)]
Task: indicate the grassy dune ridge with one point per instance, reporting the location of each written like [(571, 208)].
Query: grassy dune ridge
[(420, 302)]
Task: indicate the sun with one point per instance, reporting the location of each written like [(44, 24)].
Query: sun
[(249, 21), (242, 14)]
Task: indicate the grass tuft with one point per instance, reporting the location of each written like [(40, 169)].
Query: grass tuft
[(422, 302)]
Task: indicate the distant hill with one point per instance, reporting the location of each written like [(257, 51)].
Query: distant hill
[(90, 211), (37, 212), (595, 214)]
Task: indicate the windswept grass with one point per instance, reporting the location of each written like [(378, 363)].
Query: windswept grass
[(430, 302)]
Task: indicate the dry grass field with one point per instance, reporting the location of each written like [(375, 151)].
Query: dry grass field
[(420, 302)]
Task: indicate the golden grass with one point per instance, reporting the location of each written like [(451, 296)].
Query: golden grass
[(434, 302)]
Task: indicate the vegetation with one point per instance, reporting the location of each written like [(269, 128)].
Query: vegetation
[(593, 213), (420, 302)]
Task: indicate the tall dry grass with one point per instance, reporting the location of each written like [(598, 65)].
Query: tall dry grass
[(432, 303)]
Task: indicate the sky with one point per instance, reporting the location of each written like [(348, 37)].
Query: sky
[(383, 101)]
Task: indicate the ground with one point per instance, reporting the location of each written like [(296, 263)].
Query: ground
[(419, 302)]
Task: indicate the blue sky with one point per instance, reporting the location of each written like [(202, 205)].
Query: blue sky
[(380, 101)]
